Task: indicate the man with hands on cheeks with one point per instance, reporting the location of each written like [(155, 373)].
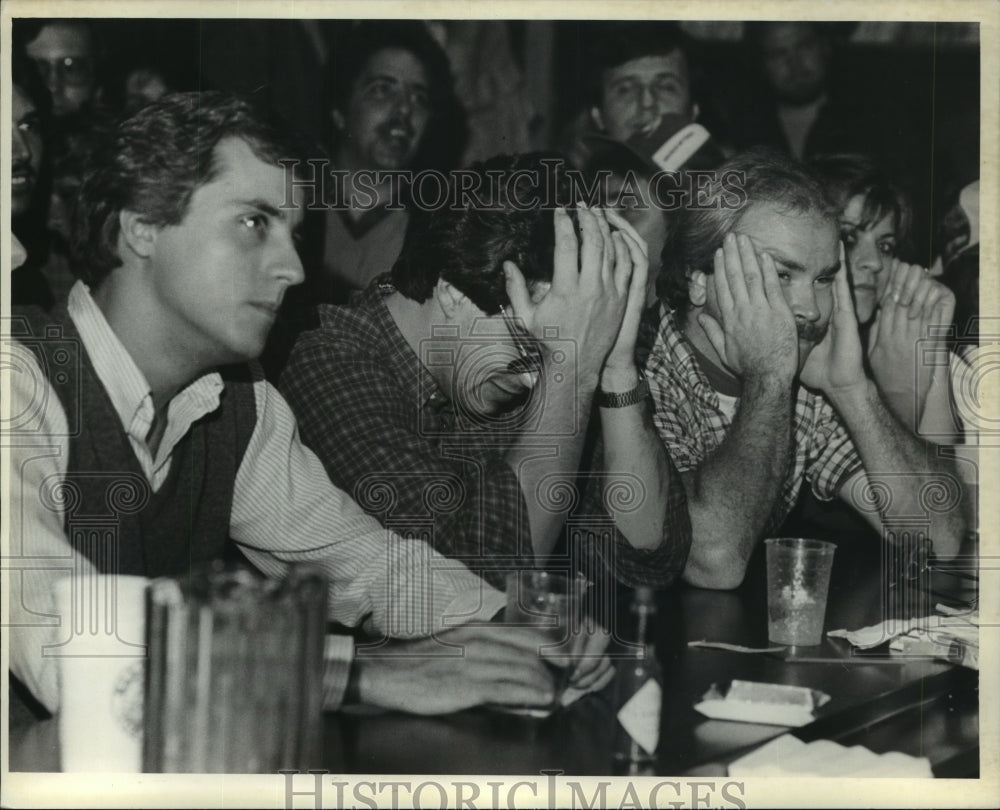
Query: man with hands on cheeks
[(758, 378)]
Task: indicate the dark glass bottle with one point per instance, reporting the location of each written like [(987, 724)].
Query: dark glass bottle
[(639, 694)]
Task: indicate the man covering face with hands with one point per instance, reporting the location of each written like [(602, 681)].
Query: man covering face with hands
[(473, 368)]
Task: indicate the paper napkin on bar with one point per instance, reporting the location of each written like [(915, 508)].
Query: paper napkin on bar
[(955, 638), (789, 756), (949, 634)]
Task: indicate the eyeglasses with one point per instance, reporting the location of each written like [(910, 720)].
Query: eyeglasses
[(71, 70), (531, 355)]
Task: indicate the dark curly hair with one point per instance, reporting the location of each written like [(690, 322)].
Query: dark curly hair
[(354, 44), (509, 218), (153, 162)]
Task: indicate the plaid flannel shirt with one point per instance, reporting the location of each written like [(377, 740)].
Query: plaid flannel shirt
[(692, 423), (388, 435)]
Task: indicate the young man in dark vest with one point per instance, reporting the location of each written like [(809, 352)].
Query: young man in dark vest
[(141, 439)]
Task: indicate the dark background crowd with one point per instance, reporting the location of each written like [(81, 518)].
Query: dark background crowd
[(905, 93)]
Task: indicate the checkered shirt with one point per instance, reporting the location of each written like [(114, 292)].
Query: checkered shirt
[(692, 424), (386, 433)]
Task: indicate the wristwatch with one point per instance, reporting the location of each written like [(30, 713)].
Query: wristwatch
[(623, 400)]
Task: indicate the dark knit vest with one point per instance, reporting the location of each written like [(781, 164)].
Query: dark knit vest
[(112, 516)]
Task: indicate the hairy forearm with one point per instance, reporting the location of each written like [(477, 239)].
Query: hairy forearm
[(547, 454), (903, 405), (733, 493), (904, 463)]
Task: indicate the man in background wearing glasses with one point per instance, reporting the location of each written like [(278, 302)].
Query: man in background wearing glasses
[(65, 52), (68, 56)]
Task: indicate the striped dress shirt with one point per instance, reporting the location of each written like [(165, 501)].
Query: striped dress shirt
[(284, 510)]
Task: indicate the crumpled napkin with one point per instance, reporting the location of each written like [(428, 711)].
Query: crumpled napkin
[(962, 625), (789, 756)]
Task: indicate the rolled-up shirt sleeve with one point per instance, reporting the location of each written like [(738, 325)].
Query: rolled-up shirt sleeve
[(832, 457), (603, 548)]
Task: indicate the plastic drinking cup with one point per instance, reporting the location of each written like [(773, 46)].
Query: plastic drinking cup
[(798, 579)]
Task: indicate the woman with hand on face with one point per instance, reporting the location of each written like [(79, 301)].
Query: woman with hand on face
[(903, 312)]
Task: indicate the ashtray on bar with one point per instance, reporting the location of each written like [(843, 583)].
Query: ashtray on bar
[(767, 703)]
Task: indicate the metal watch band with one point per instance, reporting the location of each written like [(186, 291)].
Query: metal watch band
[(623, 400)]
